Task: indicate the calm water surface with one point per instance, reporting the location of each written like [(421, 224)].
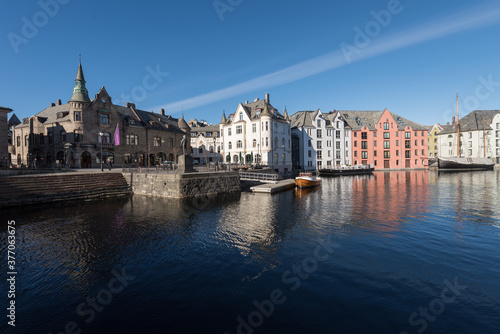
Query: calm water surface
[(391, 253)]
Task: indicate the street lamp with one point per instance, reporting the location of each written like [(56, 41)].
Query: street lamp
[(214, 154), (100, 136)]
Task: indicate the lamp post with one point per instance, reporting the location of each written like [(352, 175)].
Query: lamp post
[(214, 153), (100, 136)]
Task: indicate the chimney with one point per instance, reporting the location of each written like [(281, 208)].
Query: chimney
[(453, 120), (256, 99), (267, 99), (130, 105), (52, 104), (246, 102), (163, 112), (59, 102)]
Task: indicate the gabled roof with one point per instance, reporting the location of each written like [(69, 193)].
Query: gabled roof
[(360, 118), (13, 121), (303, 118), (251, 110), (473, 121)]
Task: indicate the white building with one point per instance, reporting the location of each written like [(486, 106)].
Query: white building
[(205, 141), (320, 140), (478, 136), (257, 134)]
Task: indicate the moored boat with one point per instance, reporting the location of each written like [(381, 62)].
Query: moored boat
[(456, 164), (307, 180), (347, 170)]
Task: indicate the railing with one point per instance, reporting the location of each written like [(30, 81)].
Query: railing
[(263, 177)]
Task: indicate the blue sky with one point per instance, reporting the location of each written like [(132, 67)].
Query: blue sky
[(410, 56)]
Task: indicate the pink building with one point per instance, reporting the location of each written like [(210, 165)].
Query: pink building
[(386, 140)]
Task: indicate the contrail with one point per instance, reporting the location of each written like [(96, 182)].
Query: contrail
[(457, 22)]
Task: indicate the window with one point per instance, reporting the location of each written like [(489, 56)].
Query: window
[(364, 145), (387, 154), (387, 135), (241, 116), (337, 145), (63, 136), (105, 138), (239, 129), (337, 134), (275, 142), (267, 142), (407, 144), (309, 143), (416, 152), (283, 142), (319, 145), (254, 143), (387, 144), (318, 133), (50, 138), (407, 154), (157, 141), (364, 135), (134, 140), (374, 153), (416, 134), (230, 145), (355, 154), (355, 134), (254, 127), (407, 134), (319, 155), (397, 133), (77, 135), (104, 119), (275, 158), (239, 144), (78, 116), (18, 140), (267, 126), (283, 158), (423, 142), (386, 126), (283, 129), (229, 131), (337, 154), (423, 152), (375, 143), (416, 142), (397, 153), (309, 154), (397, 142), (355, 143), (364, 155), (170, 142), (127, 158)]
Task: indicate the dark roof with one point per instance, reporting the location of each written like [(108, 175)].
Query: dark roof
[(473, 121), (13, 121), (359, 118), (251, 110)]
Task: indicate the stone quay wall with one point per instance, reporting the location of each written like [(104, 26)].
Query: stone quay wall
[(183, 185)]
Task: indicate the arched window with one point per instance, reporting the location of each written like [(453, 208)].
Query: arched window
[(230, 145), (283, 158), (283, 143), (275, 142), (235, 158), (128, 158), (239, 144), (255, 143), (275, 158)]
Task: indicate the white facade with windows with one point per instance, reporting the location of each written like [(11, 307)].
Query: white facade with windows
[(257, 134), (206, 142), (479, 136), (323, 140)]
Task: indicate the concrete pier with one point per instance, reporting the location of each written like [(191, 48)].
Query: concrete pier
[(274, 188)]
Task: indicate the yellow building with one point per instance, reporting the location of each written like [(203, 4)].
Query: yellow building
[(433, 140)]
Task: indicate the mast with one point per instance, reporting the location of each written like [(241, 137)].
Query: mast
[(458, 132), (484, 136)]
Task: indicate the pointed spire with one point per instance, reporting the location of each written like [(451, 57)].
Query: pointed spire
[(285, 115), (80, 93), (224, 119)]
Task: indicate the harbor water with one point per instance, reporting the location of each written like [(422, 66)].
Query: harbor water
[(395, 252)]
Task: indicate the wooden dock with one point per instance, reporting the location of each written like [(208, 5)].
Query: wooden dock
[(274, 188)]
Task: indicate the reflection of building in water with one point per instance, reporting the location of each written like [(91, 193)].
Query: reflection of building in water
[(389, 197)]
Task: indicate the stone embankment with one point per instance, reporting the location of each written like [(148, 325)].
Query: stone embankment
[(50, 188)]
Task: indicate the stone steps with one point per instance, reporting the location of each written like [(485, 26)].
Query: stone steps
[(37, 189)]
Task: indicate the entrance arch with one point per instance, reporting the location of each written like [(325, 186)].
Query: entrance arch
[(86, 159)]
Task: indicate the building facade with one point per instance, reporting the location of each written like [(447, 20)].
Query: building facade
[(386, 140), (85, 133), (433, 140), (478, 133), (257, 134), (320, 140), (4, 137), (206, 142)]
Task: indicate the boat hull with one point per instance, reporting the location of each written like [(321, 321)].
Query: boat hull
[(366, 169), (465, 164), (304, 183)]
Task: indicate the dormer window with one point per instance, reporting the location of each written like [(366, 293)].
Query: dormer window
[(241, 116)]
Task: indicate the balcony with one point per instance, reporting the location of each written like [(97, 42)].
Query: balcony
[(105, 145)]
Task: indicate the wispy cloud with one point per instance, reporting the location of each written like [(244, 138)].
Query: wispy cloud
[(471, 18)]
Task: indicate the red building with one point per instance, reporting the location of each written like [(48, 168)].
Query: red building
[(386, 140)]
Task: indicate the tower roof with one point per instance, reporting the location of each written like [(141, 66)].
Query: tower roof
[(80, 93), (182, 124), (224, 119)]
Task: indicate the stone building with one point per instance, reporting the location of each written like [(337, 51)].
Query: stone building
[(319, 140), (205, 141), (4, 136), (257, 134), (82, 133)]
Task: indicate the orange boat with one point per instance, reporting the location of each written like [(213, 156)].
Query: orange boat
[(307, 180)]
